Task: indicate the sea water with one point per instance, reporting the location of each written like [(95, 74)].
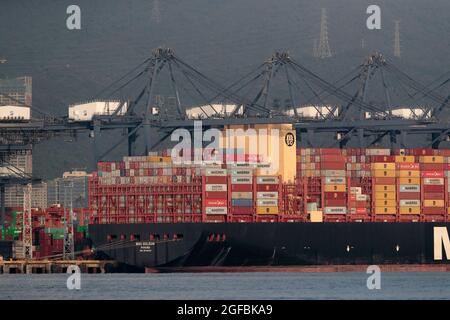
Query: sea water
[(235, 286)]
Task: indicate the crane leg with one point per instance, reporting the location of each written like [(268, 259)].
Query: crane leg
[(2, 203)]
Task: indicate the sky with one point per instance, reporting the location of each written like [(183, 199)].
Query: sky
[(223, 39)]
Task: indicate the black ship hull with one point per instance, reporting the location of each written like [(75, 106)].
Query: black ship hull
[(137, 246)]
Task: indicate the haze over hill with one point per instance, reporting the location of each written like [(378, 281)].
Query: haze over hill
[(223, 39)]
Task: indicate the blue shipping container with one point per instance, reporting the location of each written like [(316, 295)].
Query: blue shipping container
[(242, 203)]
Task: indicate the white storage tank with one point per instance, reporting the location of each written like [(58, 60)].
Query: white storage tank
[(407, 113), (314, 112), (210, 110), (404, 113), (86, 111), (14, 113)]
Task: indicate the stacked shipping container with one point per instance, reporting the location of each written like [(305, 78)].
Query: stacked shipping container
[(408, 173), (215, 194), (341, 184), (433, 190), (267, 197), (241, 192), (334, 180)]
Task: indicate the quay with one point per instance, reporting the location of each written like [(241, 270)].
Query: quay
[(56, 266)]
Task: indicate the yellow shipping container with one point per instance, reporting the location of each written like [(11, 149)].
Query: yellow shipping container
[(448, 210), (267, 210), (385, 203), (433, 203), (409, 173), (431, 159), (404, 159), (409, 210), (385, 210), (385, 195), (385, 188), (409, 180), (383, 173), (335, 188), (316, 216), (383, 166), (158, 159)]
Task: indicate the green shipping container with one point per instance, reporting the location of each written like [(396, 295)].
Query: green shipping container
[(54, 230), (82, 229), (57, 236)]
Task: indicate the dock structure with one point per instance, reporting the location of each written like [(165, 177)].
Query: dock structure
[(56, 266)]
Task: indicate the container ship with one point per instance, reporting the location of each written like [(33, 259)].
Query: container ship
[(266, 202)]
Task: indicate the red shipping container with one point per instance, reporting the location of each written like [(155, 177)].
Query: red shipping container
[(241, 210), (215, 202), (215, 180), (433, 189), (215, 194), (433, 196), (382, 158), (333, 158), (361, 211), (422, 152), (432, 166), (332, 165), (447, 166), (384, 180), (242, 187), (358, 204), (335, 203), (432, 174), (330, 151), (267, 187), (335, 195), (433, 210), (409, 195), (408, 166)]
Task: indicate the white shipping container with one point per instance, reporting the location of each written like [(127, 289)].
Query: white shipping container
[(241, 165), (410, 203), (267, 180), (334, 180), (409, 188), (355, 190), (241, 180), (216, 210), (267, 195), (433, 181), (216, 187), (333, 173), (241, 172), (266, 203), (361, 197), (215, 172), (335, 210)]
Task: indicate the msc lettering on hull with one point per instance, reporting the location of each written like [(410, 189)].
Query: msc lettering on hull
[(441, 237)]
